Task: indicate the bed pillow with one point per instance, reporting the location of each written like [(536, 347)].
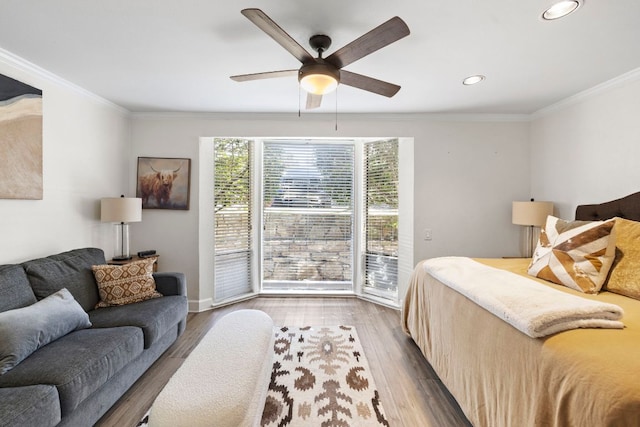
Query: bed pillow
[(24, 330), (125, 284), (576, 254), (624, 278)]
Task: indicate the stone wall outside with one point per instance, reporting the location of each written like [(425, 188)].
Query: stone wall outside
[(302, 245)]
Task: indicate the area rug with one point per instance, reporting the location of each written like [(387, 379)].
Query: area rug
[(321, 377)]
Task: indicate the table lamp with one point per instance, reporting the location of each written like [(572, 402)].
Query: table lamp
[(530, 214), (121, 211)]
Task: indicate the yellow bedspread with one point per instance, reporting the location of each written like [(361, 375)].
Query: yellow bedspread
[(502, 377)]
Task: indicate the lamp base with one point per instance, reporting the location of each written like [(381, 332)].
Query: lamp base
[(531, 241), (122, 242)]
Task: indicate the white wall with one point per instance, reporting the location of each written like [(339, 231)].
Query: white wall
[(466, 175), (85, 157), (587, 149)]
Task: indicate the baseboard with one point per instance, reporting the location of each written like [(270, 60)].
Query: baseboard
[(380, 301), (197, 306)]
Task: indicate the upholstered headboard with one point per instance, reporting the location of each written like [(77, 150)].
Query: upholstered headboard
[(627, 207)]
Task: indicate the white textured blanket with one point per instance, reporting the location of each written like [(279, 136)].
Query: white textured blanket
[(531, 307)]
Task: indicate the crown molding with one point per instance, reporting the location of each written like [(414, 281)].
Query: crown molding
[(22, 64), (331, 117), (631, 76)]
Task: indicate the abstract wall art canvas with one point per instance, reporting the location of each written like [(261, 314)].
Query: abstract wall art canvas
[(20, 140)]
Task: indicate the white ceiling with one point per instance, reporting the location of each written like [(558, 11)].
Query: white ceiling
[(170, 55)]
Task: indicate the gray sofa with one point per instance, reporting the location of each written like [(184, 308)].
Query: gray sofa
[(76, 378)]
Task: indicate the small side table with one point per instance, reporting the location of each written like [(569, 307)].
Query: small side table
[(136, 258)]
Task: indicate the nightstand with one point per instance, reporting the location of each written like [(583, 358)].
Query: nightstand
[(135, 258)]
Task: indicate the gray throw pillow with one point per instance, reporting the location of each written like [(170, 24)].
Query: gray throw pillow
[(24, 330)]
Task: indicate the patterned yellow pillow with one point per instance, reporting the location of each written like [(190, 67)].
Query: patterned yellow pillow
[(576, 254), (125, 284), (624, 278)]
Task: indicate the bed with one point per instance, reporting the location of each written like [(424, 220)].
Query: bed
[(500, 376)]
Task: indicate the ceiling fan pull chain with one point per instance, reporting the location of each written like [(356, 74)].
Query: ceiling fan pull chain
[(299, 101)]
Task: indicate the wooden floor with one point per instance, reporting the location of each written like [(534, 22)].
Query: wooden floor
[(411, 393)]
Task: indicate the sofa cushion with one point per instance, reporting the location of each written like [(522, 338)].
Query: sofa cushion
[(24, 330), (35, 405), (79, 363), (15, 289), (154, 316), (125, 284), (71, 270)]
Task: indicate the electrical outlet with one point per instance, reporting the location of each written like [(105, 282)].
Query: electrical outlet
[(427, 234)]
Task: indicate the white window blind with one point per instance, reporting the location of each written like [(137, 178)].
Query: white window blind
[(381, 218), (232, 198), (308, 216)]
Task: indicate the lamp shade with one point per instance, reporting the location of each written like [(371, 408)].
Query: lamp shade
[(121, 209), (531, 213)]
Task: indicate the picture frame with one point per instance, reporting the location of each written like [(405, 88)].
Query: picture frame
[(164, 182), (21, 155)]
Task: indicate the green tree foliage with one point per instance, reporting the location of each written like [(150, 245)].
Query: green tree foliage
[(381, 158), (273, 163), (232, 180), (382, 176), (336, 167), (232, 173)]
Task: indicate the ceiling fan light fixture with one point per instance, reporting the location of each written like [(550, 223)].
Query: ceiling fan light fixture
[(319, 79), (560, 9)]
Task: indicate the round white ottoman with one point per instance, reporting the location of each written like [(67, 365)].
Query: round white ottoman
[(224, 380)]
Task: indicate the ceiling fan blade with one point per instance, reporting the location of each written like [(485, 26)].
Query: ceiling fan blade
[(313, 101), (266, 24), (368, 83), (265, 75), (384, 34)]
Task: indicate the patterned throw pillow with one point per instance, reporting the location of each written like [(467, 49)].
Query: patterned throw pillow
[(125, 284), (576, 254), (624, 278)]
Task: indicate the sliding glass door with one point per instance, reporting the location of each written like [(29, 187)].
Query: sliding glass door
[(308, 221)]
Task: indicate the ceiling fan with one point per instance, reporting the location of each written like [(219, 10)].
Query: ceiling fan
[(319, 76)]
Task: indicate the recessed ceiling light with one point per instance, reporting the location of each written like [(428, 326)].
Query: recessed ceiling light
[(560, 9), (471, 80)]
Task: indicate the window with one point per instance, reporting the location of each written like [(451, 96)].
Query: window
[(305, 216), (232, 213), (308, 221), (381, 218)]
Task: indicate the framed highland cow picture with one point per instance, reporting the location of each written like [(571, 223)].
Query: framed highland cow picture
[(164, 183)]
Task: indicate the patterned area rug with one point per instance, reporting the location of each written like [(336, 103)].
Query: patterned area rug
[(321, 377)]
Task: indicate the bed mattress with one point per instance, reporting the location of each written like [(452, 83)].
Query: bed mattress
[(502, 377)]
